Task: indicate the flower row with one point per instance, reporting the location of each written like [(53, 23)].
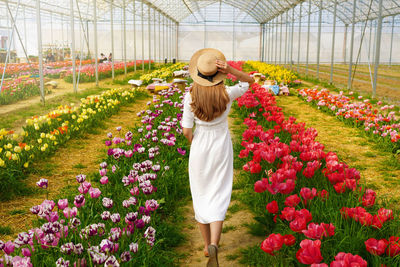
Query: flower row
[(273, 72), (164, 73), (115, 216), (308, 193), (378, 121)]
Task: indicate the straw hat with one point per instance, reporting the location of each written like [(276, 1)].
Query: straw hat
[(202, 67)]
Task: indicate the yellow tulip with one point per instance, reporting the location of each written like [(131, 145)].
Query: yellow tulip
[(2, 163), (55, 143), (8, 154), (14, 157), (39, 141), (36, 126), (17, 149), (1, 149), (42, 135), (43, 148), (74, 117), (15, 136), (9, 146), (27, 147)]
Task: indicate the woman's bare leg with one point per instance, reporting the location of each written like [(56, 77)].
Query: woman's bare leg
[(216, 229), (205, 233)]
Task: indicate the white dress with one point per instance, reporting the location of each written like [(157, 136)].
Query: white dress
[(211, 160)]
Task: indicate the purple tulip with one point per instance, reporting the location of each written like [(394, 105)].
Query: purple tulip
[(62, 263), (108, 143), (126, 256), (115, 218), (26, 252), (139, 224), (106, 245), (131, 217), (105, 215), (2, 245), (104, 180), (107, 202), (103, 172), (21, 262), (70, 212), (79, 201), (78, 249), (133, 247), (84, 187), (135, 191), (62, 203), (80, 178), (119, 128), (128, 153), (109, 135), (67, 248), (94, 192), (53, 217), (43, 183), (181, 151), (103, 165), (9, 247)]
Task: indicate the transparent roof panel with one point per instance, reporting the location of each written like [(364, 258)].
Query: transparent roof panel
[(260, 11)]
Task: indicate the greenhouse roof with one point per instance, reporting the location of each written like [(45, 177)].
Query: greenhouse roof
[(260, 11)]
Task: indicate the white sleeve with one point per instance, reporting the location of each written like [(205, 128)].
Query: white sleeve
[(188, 116), (238, 90)]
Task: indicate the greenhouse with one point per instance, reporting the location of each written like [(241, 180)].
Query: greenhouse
[(199, 133)]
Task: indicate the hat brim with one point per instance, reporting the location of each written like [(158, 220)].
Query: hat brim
[(194, 72)]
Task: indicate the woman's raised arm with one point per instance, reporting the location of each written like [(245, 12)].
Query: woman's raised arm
[(240, 75)]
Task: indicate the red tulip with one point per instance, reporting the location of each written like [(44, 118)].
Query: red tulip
[(310, 252), (272, 207), (347, 259), (289, 240), (272, 243), (292, 201), (394, 246), (376, 247), (298, 224), (288, 214)]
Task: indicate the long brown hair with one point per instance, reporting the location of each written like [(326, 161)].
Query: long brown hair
[(209, 102)]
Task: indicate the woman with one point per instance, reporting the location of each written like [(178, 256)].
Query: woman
[(211, 154)]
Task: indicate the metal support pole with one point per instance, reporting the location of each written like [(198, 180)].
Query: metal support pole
[(280, 40), (370, 40), (149, 33), (205, 32), (124, 35), (176, 42), (72, 45), (62, 36), (154, 35), (266, 42), (391, 43), (308, 35), (159, 37), (299, 39), (333, 42), (276, 41), (346, 26), (51, 33), (163, 40), (286, 42), (112, 38), (95, 41), (378, 49), (233, 36), (319, 36), (142, 36), (25, 37), (134, 35), (261, 50), (40, 51), (291, 41), (352, 44)]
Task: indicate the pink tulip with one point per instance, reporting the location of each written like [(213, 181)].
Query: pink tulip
[(9, 247), (104, 180), (62, 203), (94, 192)]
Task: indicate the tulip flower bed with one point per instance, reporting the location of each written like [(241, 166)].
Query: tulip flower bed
[(273, 72), (45, 134), (164, 73), (312, 207), (105, 70), (15, 70), (118, 216), (17, 89), (380, 123)]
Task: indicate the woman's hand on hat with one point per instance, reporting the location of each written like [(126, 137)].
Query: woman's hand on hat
[(222, 66)]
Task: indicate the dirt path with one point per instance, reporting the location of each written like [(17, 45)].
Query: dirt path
[(379, 170), (234, 234), (79, 156)]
